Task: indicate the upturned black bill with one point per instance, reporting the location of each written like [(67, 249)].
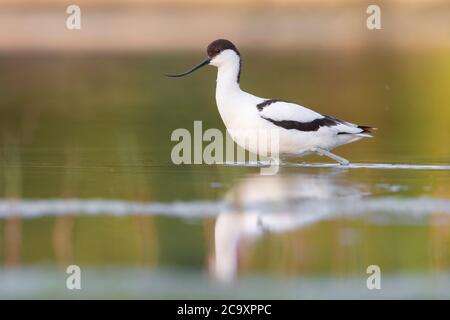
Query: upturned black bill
[(202, 64)]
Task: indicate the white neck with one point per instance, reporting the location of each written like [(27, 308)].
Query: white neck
[(227, 79)]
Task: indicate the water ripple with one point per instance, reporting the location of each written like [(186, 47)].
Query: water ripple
[(350, 166), (189, 209)]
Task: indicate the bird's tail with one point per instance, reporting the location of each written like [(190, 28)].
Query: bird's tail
[(367, 131)]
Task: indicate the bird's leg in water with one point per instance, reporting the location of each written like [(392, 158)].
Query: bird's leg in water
[(323, 152)]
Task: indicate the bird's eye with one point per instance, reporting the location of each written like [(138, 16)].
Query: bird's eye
[(217, 50)]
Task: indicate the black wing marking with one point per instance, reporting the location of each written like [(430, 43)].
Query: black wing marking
[(364, 129), (314, 125), (306, 126), (266, 103)]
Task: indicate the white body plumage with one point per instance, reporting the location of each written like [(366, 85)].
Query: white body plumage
[(241, 116), (299, 130)]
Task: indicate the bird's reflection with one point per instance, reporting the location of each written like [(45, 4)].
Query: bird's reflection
[(270, 204)]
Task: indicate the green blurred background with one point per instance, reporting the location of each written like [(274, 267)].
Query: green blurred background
[(87, 114)]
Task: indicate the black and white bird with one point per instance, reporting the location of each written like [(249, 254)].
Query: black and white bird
[(301, 131)]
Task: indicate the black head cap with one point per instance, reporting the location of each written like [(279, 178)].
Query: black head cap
[(219, 45), (213, 49)]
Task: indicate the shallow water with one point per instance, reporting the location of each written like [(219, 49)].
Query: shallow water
[(86, 179)]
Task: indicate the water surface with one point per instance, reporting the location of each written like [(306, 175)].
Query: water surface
[(86, 178)]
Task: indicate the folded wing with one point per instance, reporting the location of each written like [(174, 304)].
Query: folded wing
[(292, 116)]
